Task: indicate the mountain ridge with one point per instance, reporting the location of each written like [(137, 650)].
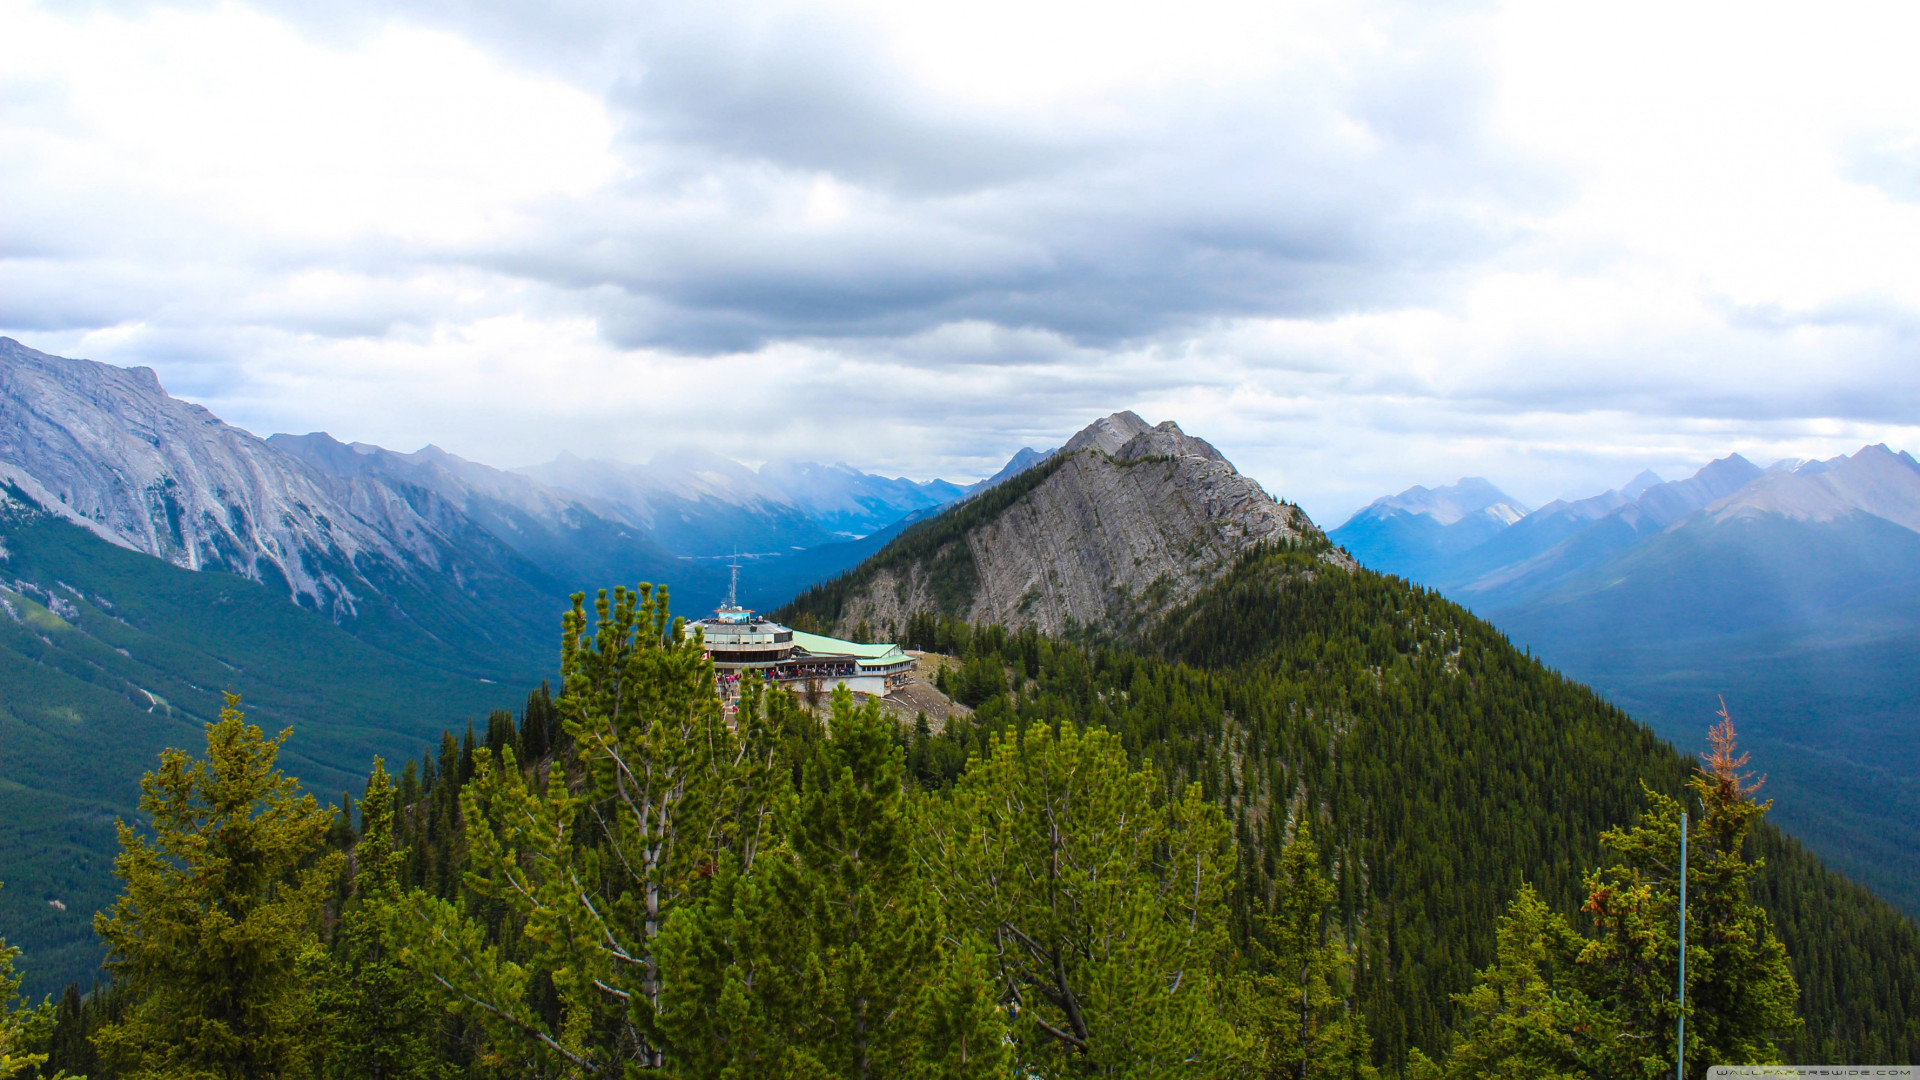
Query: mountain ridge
[(344, 525), (1124, 520)]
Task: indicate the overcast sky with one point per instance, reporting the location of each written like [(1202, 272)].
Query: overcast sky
[(1356, 245)]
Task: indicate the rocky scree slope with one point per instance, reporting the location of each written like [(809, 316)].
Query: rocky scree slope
[(1124, 521)]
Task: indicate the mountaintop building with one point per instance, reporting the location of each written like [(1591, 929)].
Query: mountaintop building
[(737, 642)]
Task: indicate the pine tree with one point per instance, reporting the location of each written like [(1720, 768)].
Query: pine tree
[(20, 1028), (1556, 1004), (1104, 907), (591, 862), (828, 961), (76, 1019), (378, 1021), (1301, 1024), (845, 883), (962, 1027), (218, 906), (1518, 1024), (1740, 992)]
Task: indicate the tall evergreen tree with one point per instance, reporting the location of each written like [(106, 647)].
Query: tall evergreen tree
[(831, 963), (1520, 1025), (1740, 993), (378, 1021), (1104, 906), (667, 790), (1301, 1025), (218, 905), (1605, 1007), (20, 1028)]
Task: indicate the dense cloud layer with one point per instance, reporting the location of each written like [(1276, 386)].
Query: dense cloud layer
[(1357, 245)]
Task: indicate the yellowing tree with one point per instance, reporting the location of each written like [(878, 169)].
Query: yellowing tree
[(1604, 1006)]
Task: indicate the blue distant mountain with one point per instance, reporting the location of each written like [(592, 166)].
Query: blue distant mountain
[(1794, 591), (1415, 533)]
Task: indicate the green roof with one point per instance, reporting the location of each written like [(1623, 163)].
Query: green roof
[(826, 646)]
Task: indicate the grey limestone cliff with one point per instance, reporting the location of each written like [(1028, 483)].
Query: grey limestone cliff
[(1130, 519), (107, 448)]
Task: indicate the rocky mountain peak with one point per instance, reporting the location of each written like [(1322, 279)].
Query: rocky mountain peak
[(1874, 480), (1167, 440), (1640, 484), (1446, 505), (107, 448), (1124, 521), (336, 525), (1109, 434)]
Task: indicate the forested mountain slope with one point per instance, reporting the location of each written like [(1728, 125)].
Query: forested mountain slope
[(1444, 768), (1449, 767), (1794, 591), (107, 656), (1811, 629), (1439, 768)]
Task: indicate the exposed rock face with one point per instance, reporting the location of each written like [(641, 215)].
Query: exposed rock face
[(107, 448), (1132, 519), (1875, 481), (428, 539)]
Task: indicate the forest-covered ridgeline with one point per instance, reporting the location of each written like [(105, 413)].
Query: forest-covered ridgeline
[(1441, 773)]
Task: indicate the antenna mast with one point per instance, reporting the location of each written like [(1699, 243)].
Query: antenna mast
[(1680, 1034)]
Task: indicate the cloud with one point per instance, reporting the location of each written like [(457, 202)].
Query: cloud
[(1351, 241)]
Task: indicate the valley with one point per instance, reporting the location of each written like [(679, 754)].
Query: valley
[(153, 558)]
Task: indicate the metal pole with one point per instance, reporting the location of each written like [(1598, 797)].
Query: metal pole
[(1680, 1054)]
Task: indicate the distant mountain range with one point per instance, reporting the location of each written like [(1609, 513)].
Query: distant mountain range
[(1793, 590), (152, 557), (700, 504), (342, 526)]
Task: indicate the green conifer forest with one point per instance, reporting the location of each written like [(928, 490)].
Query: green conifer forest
[(1315, 823)]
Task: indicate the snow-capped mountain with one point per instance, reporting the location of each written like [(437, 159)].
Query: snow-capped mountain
[(698, 503), (1410, 533), (424, 544)]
